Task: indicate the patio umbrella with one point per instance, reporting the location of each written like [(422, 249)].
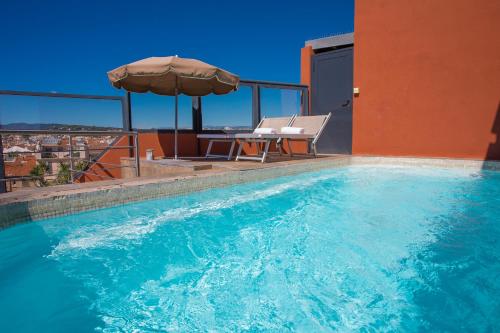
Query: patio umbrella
[(172, 76)]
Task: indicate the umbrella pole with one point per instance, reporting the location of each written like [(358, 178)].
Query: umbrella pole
[(176, 121)]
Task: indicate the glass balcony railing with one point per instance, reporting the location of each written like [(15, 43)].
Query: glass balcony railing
[(279, 102), (155, 112), (51, 132), (42, 111), (228, 112)]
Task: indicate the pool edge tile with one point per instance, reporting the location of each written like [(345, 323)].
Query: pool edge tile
[(78, 200)]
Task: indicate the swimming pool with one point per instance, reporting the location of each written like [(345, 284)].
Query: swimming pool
[(374, 248)]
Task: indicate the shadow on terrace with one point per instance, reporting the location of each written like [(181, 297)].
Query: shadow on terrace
[(493, 152)]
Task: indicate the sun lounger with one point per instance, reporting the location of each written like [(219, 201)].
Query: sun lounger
[(219, 138), (312, 128), (266, 124)]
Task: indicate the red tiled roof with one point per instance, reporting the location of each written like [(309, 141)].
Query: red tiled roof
[(21, 166)]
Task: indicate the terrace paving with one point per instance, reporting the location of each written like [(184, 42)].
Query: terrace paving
[(218, 166), (37, 203)]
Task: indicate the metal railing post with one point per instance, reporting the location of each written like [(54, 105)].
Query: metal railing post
[(255, 105), (71, 164), (196, 114), (74, 174), (197, 120), (3, 184), (126, 112), (127, 118), (137, 159), (305, 102)]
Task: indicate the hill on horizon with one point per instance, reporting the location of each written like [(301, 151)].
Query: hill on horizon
[(54, 126)]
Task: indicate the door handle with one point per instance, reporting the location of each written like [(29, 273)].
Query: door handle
[(347, 103)]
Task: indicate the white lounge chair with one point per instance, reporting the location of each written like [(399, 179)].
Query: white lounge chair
[(313, 127), (275, 123), (218, 138)]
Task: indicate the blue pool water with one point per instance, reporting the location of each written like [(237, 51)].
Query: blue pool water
[(361, 248)]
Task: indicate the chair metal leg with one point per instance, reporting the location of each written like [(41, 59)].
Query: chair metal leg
[(279, 148), (240, 148), (209, 149), (266, 149), (230, 156), (289, 148), (315, 152)]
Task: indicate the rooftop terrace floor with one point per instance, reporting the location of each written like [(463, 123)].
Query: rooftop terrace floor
[(37, 203), (166, 170)]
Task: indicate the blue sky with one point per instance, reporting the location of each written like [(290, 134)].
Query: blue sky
[(68, 46)]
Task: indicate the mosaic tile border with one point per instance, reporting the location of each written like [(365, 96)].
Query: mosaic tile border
[(428, 162), (138, 190)]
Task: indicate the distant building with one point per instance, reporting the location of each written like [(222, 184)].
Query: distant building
[(15, 149), (12, 152), (51, 148), (415, 79), (21, 166)]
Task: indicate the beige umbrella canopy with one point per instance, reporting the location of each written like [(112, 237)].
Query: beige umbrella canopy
[(173, 76)]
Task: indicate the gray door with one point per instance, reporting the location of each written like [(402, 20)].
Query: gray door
[(331, 91)]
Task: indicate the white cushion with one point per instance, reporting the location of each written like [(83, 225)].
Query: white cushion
[(292, 130), (265, 130)]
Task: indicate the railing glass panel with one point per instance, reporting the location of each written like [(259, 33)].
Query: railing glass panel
[(279, 102), (43, 112), (231, 112), (150, 111)]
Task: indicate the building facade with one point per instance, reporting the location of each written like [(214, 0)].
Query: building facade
[(428, 76)]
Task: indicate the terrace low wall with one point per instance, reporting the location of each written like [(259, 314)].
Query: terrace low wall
[(161, 143), (163, 146), (299, 147), (73, 198)]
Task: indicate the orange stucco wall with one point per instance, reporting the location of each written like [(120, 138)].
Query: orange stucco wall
[(306, 54), (298, 147), (163, 146), (429, 78), (161, 143), (105, 171)]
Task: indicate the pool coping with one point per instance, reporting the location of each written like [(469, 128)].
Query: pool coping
[(70, 199)]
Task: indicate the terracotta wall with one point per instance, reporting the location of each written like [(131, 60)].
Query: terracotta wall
[(161, 143), (298, 147), (306, 54), (163, 146), (429, 78)]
